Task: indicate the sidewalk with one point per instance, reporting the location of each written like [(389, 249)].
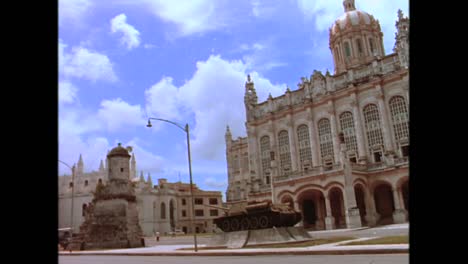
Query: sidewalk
[(325, 249)]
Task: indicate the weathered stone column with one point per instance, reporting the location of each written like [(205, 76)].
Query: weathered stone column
[(358, 127), (292, 144), (399, 215), (316, 160), (336, 144), (371, 213), (353, 218), (329, 219), (386, 130)]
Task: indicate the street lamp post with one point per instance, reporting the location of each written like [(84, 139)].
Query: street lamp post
[(72, 195), (187, 131)]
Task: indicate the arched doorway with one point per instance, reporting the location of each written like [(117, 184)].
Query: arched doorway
[(337, 207), (384, 205), (360, 201), (312, 206)]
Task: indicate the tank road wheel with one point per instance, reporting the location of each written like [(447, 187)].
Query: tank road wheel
[(253, 222), (235, 224), (244, 224), (226, 227), (264, 222)]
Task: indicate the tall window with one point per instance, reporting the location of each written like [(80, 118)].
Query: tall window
[(83, 210), (163, 211), (347, 127), (325, 136), (371, 45), (359, 46), (347, 50), (373, 129), (265, 152), (400, 118), (285, 154), (305, 154)]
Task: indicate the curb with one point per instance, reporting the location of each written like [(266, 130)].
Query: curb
[(255, 253)]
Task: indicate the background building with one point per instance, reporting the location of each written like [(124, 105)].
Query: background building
[(293, 141), (161, 208)]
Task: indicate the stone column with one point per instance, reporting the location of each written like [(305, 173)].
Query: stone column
[(399, 215), (329, 219), (386, 130), (336, 146), (292, 144), (371, 213), (316, 160), (359, 130)]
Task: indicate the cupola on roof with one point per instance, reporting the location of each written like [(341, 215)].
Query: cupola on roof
[(119, 151)]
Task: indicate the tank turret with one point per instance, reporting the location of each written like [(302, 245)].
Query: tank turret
[(256, 215)]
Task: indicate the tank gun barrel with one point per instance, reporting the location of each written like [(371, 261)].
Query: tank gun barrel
[(217, 207)]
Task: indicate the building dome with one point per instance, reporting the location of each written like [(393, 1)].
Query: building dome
[(355, 38), (353, 18), (119, 151)]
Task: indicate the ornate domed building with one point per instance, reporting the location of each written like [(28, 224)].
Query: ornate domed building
[(336, 148)]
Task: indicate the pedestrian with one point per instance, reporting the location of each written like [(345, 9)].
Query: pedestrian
[(157, 236)]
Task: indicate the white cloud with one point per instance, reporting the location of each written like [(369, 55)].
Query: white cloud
[(212, 182), (161, 100), (67, 92), (260, 56), (325, 12), (131, 36), (190, 16), (215, 89), (73, 11), (117, 114), (93, 149), (85, 64), (145, 160), (149, 46)]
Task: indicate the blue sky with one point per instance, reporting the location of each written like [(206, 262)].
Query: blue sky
[(122, 61)]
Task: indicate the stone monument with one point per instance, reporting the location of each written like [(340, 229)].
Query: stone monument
[(111, 221)]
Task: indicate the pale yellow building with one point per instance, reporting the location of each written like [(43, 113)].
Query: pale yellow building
[(162, 208)]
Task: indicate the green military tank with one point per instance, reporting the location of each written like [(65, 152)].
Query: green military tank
[(256, 215)]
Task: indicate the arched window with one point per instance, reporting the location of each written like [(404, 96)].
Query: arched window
[(371, 46), (265, 152), (373, 131), (399, 112), (347, 50), (305, 154), (359, 47), (400, 118), (285, 154), (70, 185), (86, 183), (347, 127), (325, 137), (163, 211), (99, 181)]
